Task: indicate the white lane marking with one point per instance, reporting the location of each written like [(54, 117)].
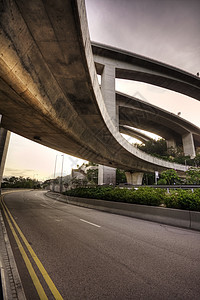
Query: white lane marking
[(90, 223)]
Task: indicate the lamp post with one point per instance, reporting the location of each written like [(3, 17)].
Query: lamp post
[(54, 173), (61, 174)]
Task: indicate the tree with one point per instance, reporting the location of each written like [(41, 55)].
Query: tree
[(156, 148), (92, 175), (159, 149), (148, 179), (120, 176), (193, 175), (20, 182), (170, 176)]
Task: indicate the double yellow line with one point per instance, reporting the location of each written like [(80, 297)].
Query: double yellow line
[(29, 266)]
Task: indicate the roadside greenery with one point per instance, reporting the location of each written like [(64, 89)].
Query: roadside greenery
[(158, 148), (20, 182), (169, 177), (179, 199), (193, 176), (184, 199), (144, 195)]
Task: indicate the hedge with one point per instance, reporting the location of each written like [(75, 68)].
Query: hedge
[(184, 199), (144, 195), (179, 199)]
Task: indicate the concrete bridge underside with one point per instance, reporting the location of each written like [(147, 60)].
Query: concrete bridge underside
[(49, 90), (133, 132), (139, 114)]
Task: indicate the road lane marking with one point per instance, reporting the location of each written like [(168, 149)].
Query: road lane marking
[(36, 282), (90, 223), (44, 273)]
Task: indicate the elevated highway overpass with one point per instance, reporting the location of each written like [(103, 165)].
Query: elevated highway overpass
[(139, 114), (49, 90)]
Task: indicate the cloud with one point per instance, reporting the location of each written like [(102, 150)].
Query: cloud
[(18, 172), (163, 30)]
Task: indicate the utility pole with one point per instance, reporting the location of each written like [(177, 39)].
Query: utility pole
[(61, 187), (54, 173)]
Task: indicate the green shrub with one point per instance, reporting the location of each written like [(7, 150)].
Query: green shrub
[(149, 196), (162, 181), (184, 199), (144, 195), (179, 199)]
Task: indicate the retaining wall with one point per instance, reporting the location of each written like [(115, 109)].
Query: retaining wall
[(170, 216)]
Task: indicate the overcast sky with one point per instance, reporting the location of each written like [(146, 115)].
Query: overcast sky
[(165, 30)]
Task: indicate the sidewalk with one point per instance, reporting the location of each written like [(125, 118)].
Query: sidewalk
[(10, 282)]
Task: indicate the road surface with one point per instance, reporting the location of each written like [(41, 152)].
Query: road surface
[(88, 254)]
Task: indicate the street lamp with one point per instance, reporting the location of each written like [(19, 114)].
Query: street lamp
[(61, 173), (54, 173)]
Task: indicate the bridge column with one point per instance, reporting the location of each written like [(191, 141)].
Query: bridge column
[(171, 143), (134, 178), (108, 92), (188, 145), (4, 141), (106, 175)]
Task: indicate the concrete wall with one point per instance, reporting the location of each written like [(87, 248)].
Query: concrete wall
[(175, 217)]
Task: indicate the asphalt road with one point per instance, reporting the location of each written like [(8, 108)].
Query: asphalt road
[(95, 255)]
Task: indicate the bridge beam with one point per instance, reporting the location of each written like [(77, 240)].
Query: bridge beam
[(106, 175), (4, 142), (188, 145), (134, 178)]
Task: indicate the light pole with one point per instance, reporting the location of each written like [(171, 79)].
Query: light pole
[(54, 173), (61, 174)]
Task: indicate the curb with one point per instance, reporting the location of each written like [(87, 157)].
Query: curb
[(12, 288), (169, 216)]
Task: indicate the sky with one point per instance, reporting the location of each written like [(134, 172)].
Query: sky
[(165, 30)]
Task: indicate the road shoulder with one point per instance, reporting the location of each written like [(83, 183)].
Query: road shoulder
[(10, 279)]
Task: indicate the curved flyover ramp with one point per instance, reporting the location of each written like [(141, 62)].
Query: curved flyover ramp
[(139, 114), (49, 90), (135, 133), (135, 67)]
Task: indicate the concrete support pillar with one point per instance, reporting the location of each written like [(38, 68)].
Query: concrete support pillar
[(108, 92), (106, 175), (188, 145), (134, 178), (4, 141), (171, 144)]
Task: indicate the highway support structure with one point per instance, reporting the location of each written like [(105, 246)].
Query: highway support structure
[(4, 142), (108, 75)]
